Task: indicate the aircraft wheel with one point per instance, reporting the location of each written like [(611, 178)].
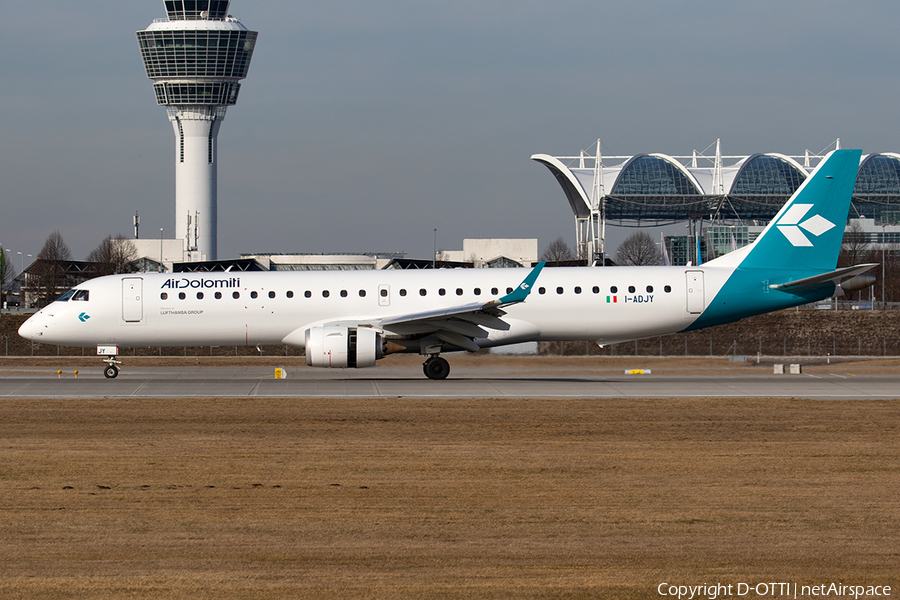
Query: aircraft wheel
[(436, 368), (111, 372)]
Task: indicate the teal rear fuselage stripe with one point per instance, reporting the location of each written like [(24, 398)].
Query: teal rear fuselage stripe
[(747, 294)]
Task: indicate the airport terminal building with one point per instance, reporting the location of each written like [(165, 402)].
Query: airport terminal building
[(727, 200)]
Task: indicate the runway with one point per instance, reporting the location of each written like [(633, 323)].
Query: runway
[(465, 382)]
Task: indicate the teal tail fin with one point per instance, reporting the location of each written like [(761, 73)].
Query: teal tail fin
[(807, 232), (787, 264)]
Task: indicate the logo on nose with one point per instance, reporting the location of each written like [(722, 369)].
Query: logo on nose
[(83, 317)]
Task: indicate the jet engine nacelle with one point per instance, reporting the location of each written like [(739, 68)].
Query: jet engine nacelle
[(857, 283), (343, 347)]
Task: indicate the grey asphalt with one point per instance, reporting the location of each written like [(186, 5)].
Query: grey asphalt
[(464, 382)]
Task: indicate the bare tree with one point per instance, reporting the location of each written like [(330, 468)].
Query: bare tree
[(638, 249), (114, 255), (855, 247), (7, 274), (557, 251), (50, 269)]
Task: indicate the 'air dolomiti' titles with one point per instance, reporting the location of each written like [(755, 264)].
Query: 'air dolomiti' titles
[(185, 283)]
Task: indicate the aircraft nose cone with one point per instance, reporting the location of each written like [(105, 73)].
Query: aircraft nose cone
[(31, 329)]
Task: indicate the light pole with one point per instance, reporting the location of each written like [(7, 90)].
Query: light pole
[(160, 250), (883, 244), (434, 253)]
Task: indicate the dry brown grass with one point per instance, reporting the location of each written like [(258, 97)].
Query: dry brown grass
[(395, 498)]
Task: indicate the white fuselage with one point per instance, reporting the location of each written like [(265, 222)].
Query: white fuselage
[(606, 304)]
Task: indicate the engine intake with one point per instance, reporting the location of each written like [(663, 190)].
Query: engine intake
[(343, 347)]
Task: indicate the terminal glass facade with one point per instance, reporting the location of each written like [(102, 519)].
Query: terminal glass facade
[(767, 176), (201, 53), (877, 190), (653, 176)]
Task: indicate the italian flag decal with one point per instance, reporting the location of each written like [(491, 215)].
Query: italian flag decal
[(612, 299)]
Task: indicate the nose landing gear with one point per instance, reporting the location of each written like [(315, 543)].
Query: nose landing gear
[(110, 352), (111, 371), (436, 368)]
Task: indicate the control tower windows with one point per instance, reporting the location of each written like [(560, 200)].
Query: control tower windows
[(193, 10)]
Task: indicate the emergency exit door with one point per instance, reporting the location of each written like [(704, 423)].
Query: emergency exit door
[(132, 299), (696, 298)]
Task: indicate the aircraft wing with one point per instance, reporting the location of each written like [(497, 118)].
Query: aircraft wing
[(460, 325)]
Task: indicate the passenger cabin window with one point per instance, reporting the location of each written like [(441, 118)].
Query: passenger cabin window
[(542, 291), (343, 293), (199, 295), (649, 289), (307, 294), (423, 292), (271, 294), (384, 293), (181, 295), (509, 290), (254, 295), (477, 291), (459, 292), (164, 296), (218, 295), (290, 294), (631, 289), (81, 296), (325, 293), (235, 295), (614, 290), (559, 291), (577, 290), (402, 292), (362, 293), (494, 291), (442, 292), (668, 289), (596, 289)]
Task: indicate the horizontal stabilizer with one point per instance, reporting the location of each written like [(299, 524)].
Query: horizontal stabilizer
[(817, 281)]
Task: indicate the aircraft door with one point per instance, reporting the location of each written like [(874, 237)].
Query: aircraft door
[(132, 299), (696, 298), (384, 295)]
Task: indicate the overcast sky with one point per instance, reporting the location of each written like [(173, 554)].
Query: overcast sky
[(364, 125)]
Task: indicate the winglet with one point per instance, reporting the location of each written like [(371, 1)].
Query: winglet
[(521, 292)]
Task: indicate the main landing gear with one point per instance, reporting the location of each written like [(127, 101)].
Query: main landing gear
[(436, 368)]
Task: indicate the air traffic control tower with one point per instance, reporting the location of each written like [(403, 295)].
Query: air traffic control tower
[(196, 58)]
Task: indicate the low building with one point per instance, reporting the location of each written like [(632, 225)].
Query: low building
[(493, 253)]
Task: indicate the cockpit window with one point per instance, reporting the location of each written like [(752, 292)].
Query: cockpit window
[(65, 297), (81, 295)]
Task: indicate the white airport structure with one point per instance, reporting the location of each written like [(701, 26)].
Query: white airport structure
[(494, 253), (196, 57), (724, 191)]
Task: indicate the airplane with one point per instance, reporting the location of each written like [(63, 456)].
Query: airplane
[(351, 319)]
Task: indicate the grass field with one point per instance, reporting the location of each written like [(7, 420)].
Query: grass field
[(394, 498)]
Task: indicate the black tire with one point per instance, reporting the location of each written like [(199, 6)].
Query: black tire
[(436, 368), (111, 372)]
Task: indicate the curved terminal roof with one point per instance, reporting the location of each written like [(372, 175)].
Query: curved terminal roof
[(658, 188), (767, 175), (655, 175)]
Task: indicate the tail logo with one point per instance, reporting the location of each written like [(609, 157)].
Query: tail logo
[(791, 226)]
